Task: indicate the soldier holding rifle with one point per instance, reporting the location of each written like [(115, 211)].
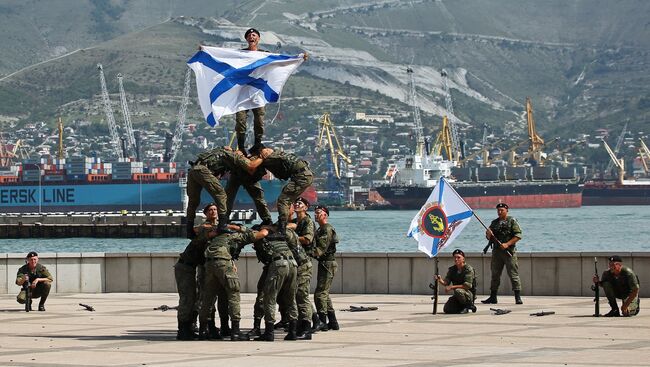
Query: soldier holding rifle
[(39, 280), (620, 282)]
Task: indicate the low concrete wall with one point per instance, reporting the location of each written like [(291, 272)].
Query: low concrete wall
[(542, 274)]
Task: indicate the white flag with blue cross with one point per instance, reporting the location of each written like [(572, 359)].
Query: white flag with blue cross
[(440, 220), (229, 80)]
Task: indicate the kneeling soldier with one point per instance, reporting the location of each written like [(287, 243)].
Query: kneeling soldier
[(461, 280), (620, 282), (39, 279)]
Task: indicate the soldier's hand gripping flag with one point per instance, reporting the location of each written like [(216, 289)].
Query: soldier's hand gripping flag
[(440, 220), (229, 80)]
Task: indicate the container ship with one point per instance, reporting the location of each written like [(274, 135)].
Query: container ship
[(88, 184), (627, 192)]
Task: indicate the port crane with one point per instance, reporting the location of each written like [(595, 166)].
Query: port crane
[(453, 128), (617, 148), (112, 126), (177, 137), (60, 154), (644, 154), (442, 144), (130, 137), (536, 142), (619, 163), (328, 133)]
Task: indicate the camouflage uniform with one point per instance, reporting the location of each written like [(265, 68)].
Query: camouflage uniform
[(221, 278), (504, 231), (462, 298), (287, 166), (186, 277), (241, 122), (205, 173), (239, 177), (280, 282), (42, 289), (306, 229), (325, 248), (620, 287)]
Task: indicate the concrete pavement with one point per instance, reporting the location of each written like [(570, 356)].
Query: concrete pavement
[(126, 331)]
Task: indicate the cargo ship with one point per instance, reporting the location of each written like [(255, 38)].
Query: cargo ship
[(87, 184), (484, 187), (628, 192)]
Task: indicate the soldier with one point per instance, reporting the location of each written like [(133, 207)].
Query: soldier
[(252, 37), (185, 272), (280, 285), (239, 177), (324, 250), (205, 174), (285, 166), (258, 308), (221, 277), (620, 282), (39, 277), (505, 229), (461, 280)]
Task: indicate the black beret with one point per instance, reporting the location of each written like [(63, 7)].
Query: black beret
[(458, 251), (251, 30), (615, 258), (323, 208), (502, 205), (31, 254), (205, 210), (256, 149), (302, 200)]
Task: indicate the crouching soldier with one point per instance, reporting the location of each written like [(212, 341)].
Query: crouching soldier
[(460, 280), (38, 278), (620, 282)]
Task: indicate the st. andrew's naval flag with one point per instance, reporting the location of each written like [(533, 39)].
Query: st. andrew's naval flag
[(440, 220), (229, 80)]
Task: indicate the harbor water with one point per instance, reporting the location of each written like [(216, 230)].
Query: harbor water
[(590, 228)]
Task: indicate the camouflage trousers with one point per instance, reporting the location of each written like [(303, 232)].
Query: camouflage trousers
[(297, 184), (305, 308), (241, 121), (254, 190), (221, 280), (500, 259), (280, 287), (612, 293), (187, 291), (200, 177), (326, 272), (461, 299), (42, 290), (258, 307)]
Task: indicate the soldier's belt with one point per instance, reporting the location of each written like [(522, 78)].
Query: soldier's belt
[(216, 258), (283, 257)]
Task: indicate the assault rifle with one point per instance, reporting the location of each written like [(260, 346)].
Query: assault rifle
[(543, 313), (164, 308), (434, 287), (596, 288), (492, 243), (500, 311), (27, 287)]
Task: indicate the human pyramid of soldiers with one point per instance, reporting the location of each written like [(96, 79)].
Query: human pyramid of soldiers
[(206, 272)]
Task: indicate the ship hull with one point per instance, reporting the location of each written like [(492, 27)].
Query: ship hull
[(481, 196), (21, 198), (616, 195)]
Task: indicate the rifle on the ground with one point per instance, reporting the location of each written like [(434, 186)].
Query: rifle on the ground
[(596, 288), (164, 308), (27, 287), (87, 307), (543, 313), (500, 311), (361, 308), (434, 286)]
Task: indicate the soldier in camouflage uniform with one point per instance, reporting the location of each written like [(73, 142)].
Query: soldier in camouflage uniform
[(506, 230), (324, 250), (461, 280), (205, 174), (620, 282), (221, 277), (258, 307), (285, 166), (185, 272), (39, 276), (239, 177), (280, 285)]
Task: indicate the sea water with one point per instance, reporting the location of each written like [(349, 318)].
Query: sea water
[(612, 229)]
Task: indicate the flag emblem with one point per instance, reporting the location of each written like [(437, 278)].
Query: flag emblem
[(433, 220)]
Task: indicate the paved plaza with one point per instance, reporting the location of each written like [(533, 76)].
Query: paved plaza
[(126, 331)]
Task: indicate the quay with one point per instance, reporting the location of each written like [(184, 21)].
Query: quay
[(125, 224), (126, 331)]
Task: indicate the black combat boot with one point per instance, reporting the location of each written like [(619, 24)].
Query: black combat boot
[(492, 299), (258, 140), (291, 335), (213, 331), (236, 334), (179, 332), (614, 312), (316, 324), (222, 227), (282, 324), (323, 320), (225, 329), (267, 222), (255, 331), (241, 143), (190, 231), (185, 331), (518, 298), (268, 333), (203, 331), (305, 330), (195, 323), (332, 324)]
